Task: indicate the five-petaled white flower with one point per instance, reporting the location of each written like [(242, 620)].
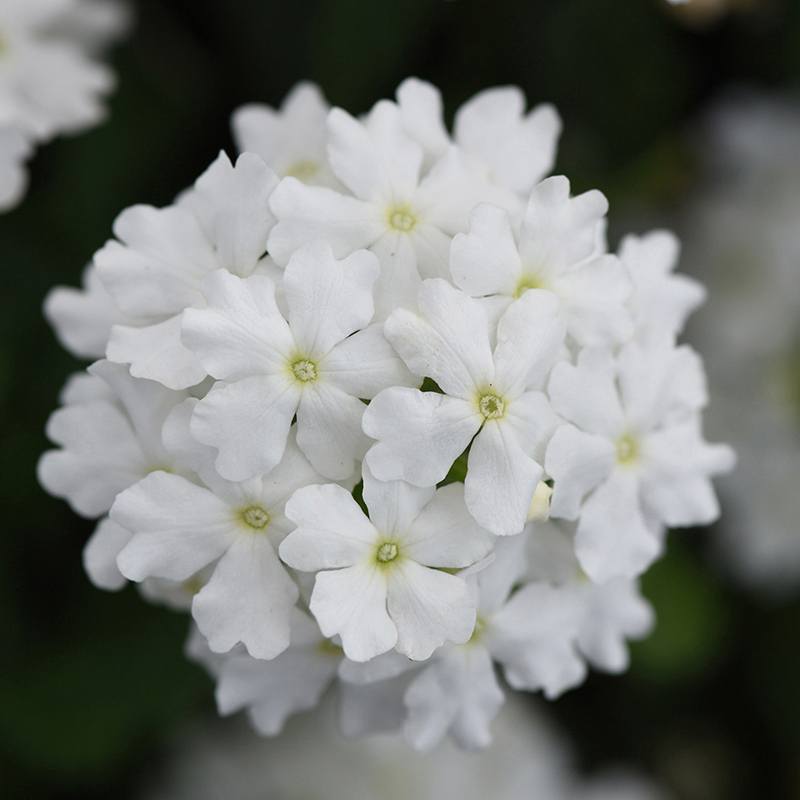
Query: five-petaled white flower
[(632, 457), (381, 581), (313, 364), (556, 251), (495, 395)]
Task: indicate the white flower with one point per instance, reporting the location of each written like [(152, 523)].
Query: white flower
[(633, 458), (555, 250), (157, 267), (272, 691), (311, 364), (82, 318), (405, 217), (291, 140), (380, 580), (15, 149), (180, 527), (492, 394), (515, 149), (661, 300), (49, 82)]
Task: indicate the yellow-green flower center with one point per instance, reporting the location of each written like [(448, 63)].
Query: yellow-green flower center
[(477, 631), (305, 370), (387, 552), (491, 406), (303, 170), (255, 517), (530, 280), (627, 450), (328, 648), (401, 219)]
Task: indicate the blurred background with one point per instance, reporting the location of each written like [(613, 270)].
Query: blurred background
[(685, 117)]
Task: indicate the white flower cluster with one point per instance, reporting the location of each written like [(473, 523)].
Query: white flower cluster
[(381, 400), (49, 82)]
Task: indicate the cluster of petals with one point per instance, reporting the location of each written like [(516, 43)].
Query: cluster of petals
[(377, 405), (50, 81)]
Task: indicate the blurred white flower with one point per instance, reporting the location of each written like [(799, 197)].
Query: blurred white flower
[(49, 81)]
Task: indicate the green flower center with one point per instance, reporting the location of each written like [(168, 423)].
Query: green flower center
[(303, 170), (305, 370), (255, 517), (387, 552), (491, 406), (328, 648), (401, 219), (627, 450), (529, 280)]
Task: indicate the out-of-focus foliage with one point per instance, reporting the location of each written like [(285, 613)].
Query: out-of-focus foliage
[(91, 685)]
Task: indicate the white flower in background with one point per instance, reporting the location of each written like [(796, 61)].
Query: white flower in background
[(662, 301), (292, 139), (156, 268), (515, 150), (632, 458), (15, 150), (49, 81), (311, 364), (404, 216), (556, 250), (381, 581), (742, 238), (264, 340), (180, 527), (530, 760), (494, 394)]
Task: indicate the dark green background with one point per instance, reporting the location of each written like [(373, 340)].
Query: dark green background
[(91, 684)]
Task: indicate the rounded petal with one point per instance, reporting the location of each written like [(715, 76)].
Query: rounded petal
[(420, 434), (100, 555), (394, 505), (248, 599)]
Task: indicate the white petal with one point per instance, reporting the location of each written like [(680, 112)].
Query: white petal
[(501, 480), (586, 393), (560, 231), (577, 462), (312, 213), (241, 332), (100, 555), (529, 338), (247, 600), (447, 341), (100, 457), (248, 422), (394, 505), (178, 528), (328, 299), (421, 113), (156, 352), (485, 261), (351, 603), (429, 608), (332, 530), (377, 160), (364, 364), (232, 206), (519, 149), (443, 534), (613, 539), (373, 708), (399, 281), (533, 421), (158, 269), (459, 694), (420, 434)]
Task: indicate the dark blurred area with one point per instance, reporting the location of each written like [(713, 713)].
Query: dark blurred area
[(92, 684)]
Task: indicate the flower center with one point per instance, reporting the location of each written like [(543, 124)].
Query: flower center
[(627, 450), (477, 631), (328, 648), (529, 280), (401, 219), (491, 406), (305, 370), (303, 170), (255, 517), (387, 552)]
